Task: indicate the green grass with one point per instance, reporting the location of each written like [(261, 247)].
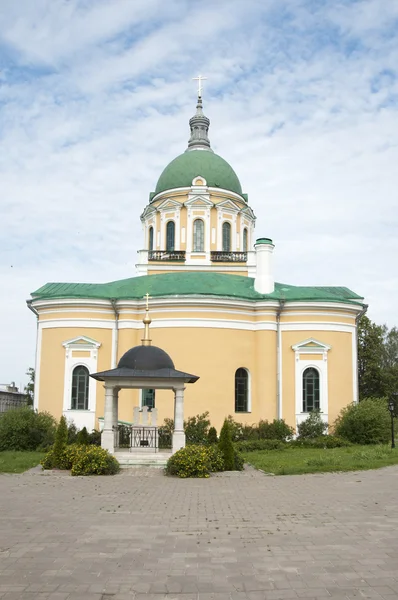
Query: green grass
[(296, 461), (18, 462)]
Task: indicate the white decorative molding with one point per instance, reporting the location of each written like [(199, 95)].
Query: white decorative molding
[(355, 397), (36, 394), (304, 349), (81, 418)]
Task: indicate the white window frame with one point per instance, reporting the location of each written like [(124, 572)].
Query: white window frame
[(81, 418), (311, 346), (249, 394)]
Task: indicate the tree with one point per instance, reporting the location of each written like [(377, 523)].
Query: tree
[(226, 447), (390, 362), (371, 375), (30, 386)]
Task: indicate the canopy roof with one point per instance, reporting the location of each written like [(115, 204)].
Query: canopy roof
[(145, 363)]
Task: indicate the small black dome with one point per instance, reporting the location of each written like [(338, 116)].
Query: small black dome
[(146, 358)]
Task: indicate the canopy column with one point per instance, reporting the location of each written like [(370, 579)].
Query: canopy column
[(178, 434), (108, 436), (115, 408)]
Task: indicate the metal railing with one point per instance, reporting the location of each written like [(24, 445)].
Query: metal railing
[(135, 436), (221, 256), (167, 255)]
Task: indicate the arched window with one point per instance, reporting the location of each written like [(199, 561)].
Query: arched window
[(150, 239), (148, 398), (170, 235), (198, 235), (244, 240), (226, 237), (241, 390), (80, 381), (311, 390)]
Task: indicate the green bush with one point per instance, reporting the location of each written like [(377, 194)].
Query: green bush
[(197, 429), (191, 461), (226, 446), (95, 438), (64, 460), (254, 445), (323, 441), (238, 461), (83, 438), (312, 427), (61, 439), (212, 436), (216, 459), (25, 429), (165, 433), (277, 430), (241, 431), (72, 433), (92, 460), (368, 422)]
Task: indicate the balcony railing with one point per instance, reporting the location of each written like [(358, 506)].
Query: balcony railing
[(228, 256), (167, 255)]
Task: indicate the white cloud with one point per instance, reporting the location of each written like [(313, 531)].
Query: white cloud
[(96, 98)]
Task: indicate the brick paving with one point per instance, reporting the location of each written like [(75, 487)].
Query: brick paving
[(240, 536)]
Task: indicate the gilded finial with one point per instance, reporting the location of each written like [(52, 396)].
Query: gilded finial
[(146, 341)]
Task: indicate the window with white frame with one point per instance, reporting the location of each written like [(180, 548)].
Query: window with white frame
[(311, 378), (80, 387), (244, 240), (170, 236), (226, 237), (198, 235), (241, 390), (148, 398), (150, 239), (311, 390)]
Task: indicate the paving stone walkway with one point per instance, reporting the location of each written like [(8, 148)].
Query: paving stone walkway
[(143, 536)]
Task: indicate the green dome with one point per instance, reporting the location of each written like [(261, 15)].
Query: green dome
[(183, 169)]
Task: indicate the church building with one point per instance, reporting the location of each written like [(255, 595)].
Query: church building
[(260, 349)]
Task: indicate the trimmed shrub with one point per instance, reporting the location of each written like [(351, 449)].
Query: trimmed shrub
[(368, 422), (238, 461), (25, 429), (277, 430), (61, 439), (312, 427), (212, 436), (323, 441), (72, 433), (226, 446), (64, 460), (216, 458), (254, 445), (94, 438), (92, 460), (83, 438), (197, 429), (191, 461)]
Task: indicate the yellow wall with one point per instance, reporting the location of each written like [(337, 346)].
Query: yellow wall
[(213, 354), (340, 375)]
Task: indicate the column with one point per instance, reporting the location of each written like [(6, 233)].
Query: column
[(107, 438), (115, 408), (178, 434)]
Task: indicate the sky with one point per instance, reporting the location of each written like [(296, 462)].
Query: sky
[(95, 99)]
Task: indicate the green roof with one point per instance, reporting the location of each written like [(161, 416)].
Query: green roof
[(192, 163), (192, 284)]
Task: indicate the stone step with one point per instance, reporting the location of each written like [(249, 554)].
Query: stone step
[(137, 459)]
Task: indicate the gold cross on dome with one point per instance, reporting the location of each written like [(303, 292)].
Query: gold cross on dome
[(199, 79), (147, 296)]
